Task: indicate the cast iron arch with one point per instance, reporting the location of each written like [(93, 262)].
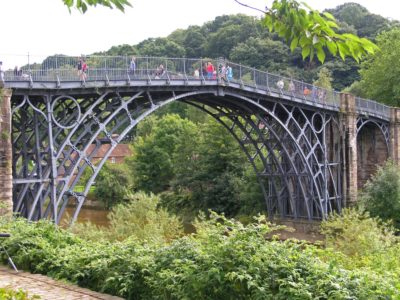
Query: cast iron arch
[(258, 121)]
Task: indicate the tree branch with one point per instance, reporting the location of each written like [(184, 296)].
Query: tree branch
[(251, 7)]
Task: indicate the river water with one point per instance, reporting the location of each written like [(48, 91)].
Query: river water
[(94, 215)]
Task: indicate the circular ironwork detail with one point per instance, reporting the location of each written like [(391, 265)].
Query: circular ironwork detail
[(63, 108)]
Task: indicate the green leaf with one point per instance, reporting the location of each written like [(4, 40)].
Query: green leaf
[(294, 44), (332, 47), (343, 51), (329, 16), (305, 52), (304, 41), (321, 54)]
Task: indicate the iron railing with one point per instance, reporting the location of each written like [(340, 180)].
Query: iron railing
[(114, 68)]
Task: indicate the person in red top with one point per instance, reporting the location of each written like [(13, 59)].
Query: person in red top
[(210, 70)]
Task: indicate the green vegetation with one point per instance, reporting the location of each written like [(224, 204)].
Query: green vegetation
[(222, 260), (379, 73), (381, 194), (11, 294), (141, 219), (313, 32), (112, 184), (82, 5)]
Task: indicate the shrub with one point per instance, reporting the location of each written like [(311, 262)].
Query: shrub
[(10, 294), (381, 195), (141, 219), (222, 260)]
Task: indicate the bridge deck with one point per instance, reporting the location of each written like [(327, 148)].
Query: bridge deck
[(59, 73)]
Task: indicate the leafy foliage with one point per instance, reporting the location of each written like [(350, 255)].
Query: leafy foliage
[(315, 33), (381, 195), (153, 161), (139, 219), (142, 219), (222, 260), (380, 72), (355, 233), (358, 17), (112, 184), (10, 294), (82, 5)]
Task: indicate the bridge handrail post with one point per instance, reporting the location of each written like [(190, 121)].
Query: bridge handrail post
[(203, 79), (240, 76), (184, 71), (255, 80), (166, 71), (147, 70), (268, 87)]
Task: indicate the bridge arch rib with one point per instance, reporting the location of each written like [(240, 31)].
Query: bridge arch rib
[(293, 149)]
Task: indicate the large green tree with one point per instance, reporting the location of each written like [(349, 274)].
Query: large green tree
[(152, 164), (380, 73)]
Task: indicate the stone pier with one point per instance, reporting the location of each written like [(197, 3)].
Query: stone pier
[(6, 203)]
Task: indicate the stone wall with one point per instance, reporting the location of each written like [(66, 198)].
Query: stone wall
[(6, 203)]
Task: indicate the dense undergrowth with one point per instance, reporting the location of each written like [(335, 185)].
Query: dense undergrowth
[(222, 260), (7, 293)]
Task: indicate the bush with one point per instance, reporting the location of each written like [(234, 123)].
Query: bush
[(355, 233), (356, 241), (141, 219), (223, 260), (10, 294), (381, 195)]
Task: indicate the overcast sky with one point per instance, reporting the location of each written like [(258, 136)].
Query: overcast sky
[(45, 27)]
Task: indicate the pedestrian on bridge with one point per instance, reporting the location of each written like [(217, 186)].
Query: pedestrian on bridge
[(210, 70), (132, 66), (229, 73)]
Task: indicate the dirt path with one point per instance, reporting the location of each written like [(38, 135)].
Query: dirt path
[(45, 287)]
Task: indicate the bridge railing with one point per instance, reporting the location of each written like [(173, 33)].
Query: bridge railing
[(61, 68), (373, 108)]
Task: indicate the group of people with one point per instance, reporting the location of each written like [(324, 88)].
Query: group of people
[(82, 69), (314, 92), (224, 72)]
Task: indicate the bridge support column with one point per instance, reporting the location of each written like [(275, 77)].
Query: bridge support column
[(394, 152), (6, 203), (350, 159)]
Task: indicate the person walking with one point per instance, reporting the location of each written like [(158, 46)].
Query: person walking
[(79, 67), (132, 66), (229, 73), (210, 70)]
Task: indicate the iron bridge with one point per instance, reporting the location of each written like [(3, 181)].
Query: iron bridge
[(290, 131)]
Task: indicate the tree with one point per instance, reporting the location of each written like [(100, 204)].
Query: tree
[(112, 184), (365, 23), (152, 164), (381, 196), (82, 5), (324, 79), (313, 32), (261, 54), (380, 73)]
